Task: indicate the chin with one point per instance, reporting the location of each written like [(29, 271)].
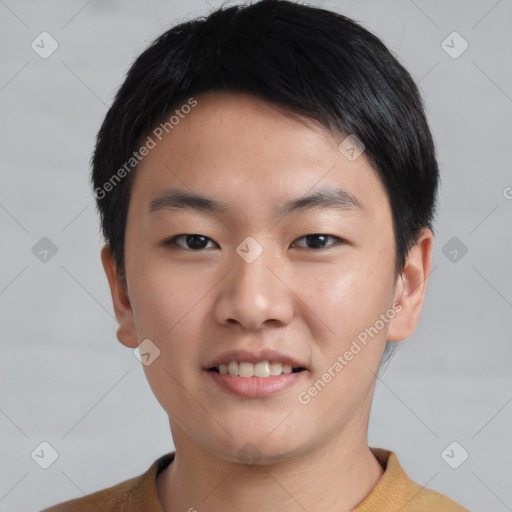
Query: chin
[(255, 448)]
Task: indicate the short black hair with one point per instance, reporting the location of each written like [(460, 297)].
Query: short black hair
[(303, 59)]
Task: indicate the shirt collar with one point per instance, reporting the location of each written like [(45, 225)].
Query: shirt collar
[(387, 493)]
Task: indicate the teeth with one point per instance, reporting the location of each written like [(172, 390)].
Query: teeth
[(233, 368), (245, 369), (287, 368), (262, 369), (276, 368)]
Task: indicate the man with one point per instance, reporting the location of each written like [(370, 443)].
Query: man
[(266, 181)]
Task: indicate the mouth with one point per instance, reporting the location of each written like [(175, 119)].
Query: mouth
[(255, 374), (255, 380), (261, 369)]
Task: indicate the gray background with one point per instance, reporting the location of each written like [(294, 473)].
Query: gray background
[(65, 378)]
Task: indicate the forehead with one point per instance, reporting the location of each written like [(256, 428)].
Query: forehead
[(251, 156)]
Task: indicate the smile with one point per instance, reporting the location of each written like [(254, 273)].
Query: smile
[(262, 369)]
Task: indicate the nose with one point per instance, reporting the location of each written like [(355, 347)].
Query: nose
[(255, 293)]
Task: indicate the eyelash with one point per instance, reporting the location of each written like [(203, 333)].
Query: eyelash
[(172, 242)]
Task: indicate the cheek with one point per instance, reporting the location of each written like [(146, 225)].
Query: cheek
[(170, 309), (346, 304), (167, 309), (348, 297), (163, 302)]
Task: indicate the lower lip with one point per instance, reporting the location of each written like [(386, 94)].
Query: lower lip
[(256, 387)]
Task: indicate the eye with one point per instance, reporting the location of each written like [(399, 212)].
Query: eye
[(195, 242), (318, 240)]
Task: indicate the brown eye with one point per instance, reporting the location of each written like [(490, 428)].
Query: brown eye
[(319, 241), (193, 242)]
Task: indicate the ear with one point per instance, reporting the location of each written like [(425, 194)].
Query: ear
[(411, 287), (126, 332)]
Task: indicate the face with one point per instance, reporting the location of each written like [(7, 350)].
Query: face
[(261, 282)]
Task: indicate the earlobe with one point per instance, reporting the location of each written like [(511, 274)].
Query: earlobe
[(411, 288), (126, 332)]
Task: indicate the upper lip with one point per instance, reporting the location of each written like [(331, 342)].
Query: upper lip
[(254, 357)]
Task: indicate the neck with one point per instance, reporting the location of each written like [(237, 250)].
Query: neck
[(335, 476)]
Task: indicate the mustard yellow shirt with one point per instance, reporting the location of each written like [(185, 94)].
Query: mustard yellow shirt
[(395, 492)]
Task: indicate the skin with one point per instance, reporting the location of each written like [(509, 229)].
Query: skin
[(307, 302)]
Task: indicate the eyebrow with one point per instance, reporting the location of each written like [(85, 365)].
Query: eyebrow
[(327, 197)]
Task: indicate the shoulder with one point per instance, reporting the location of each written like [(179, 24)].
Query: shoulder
[(109, 499), (396, 491), (129, 496), (427, 499)]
